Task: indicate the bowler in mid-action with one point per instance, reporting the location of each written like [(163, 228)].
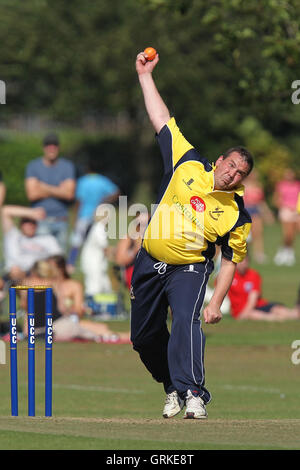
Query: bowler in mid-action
[(199, 206)]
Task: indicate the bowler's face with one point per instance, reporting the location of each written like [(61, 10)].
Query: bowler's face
[(230, 171)]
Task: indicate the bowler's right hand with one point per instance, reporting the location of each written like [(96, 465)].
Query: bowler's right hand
[(143, 65)]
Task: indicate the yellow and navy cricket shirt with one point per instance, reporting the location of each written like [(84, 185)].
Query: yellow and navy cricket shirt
[(190, 216)]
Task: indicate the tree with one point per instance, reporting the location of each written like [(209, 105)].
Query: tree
[(222, 63)]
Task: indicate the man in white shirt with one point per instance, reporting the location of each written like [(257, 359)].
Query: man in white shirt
[(22, 247), (94, 262)]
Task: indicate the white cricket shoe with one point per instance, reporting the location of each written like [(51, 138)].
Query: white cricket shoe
[(173, 405), (285, 256), (290, 259), (280, 257), (195, 407)]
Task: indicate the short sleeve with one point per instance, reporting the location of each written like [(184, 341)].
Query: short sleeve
[(108, 186), (68, 170), (234, 244), (30, 171), (173, 144), (256, 282)]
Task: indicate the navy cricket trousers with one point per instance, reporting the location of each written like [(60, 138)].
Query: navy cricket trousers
[(174, 358)]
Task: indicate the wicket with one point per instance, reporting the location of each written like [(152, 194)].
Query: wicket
[(31, 349)]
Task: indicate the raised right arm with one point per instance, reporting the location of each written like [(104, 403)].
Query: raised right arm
[(9, 212), (156, 108)]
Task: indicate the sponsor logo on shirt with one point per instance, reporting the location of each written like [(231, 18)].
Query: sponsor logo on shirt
[(188, 183), (197, 203), (216, 213), (184, 209)]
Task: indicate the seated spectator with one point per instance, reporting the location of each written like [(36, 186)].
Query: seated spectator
[(68, 305), (70, 299), (246, 299), (22, 246)]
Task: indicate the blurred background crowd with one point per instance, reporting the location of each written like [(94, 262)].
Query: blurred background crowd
[(74, 134)]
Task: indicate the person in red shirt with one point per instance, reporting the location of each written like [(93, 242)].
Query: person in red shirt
[(247, 303)]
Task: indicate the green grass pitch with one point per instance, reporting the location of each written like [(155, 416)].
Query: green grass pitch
[(103, 398)]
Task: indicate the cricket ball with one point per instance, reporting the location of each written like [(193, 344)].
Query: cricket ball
[(150, 52)]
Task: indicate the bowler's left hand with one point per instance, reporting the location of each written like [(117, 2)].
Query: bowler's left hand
[(212, 314)]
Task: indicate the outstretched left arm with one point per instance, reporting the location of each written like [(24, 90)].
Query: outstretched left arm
[(212, 312)]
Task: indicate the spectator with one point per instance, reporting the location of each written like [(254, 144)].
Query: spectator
[(246, 299), (259, 211), (68, 305), (92, 189), (50, 184), (94, 261), (128, 248), (285, 198), (2, 190), (23, 246)]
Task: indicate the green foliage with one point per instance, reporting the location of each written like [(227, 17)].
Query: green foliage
[(105, 152), (221, 63), (271, 156), (15, 153), (18, 149)]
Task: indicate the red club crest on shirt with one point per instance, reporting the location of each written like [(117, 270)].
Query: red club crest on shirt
[(197, 203)]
